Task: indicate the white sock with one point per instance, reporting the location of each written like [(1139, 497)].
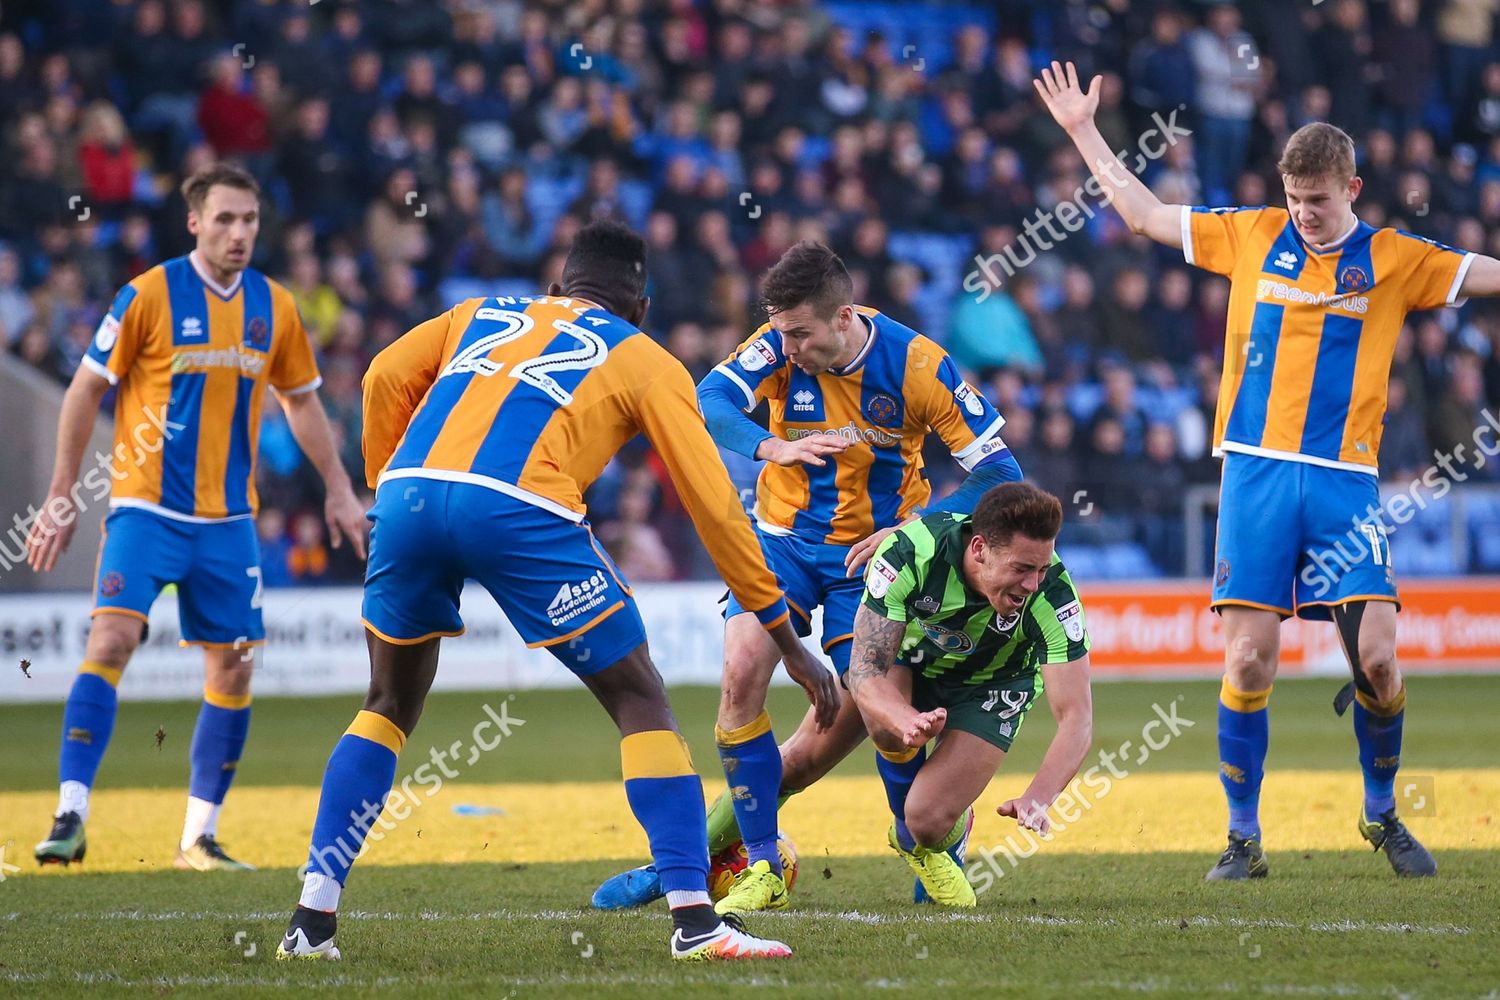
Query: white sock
[(687, 897), (320, 892), (202, 818), (73, 796)]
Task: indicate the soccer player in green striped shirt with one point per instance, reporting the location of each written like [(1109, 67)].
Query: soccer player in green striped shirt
[(964, 619)]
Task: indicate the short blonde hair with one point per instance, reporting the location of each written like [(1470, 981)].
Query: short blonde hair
[(1318, 150)]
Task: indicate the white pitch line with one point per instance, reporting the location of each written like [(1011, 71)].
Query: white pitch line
[(1334, 927), (845, 916), (1168, 985)]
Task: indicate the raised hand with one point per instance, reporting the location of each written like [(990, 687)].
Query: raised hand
[(1071, 105)]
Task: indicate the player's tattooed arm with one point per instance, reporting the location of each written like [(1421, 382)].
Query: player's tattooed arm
[(884, 704), (876, 641)]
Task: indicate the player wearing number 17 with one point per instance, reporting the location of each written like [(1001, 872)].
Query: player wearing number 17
[(1317, 299), (483, 429)]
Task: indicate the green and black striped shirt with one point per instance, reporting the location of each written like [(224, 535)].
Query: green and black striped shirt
[(952, 632)]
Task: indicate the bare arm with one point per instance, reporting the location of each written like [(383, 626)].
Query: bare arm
[(887, 710), (1071, 701), (1073, 108), (52, 529), (1482, 279), (309, 423)]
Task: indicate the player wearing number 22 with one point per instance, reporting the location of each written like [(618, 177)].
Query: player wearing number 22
[(1317, 300), (483, 429), (190, 347)]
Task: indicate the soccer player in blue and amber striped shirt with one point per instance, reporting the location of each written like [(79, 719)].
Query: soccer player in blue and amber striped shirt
[(1317, 299), (484, 427), (191, 347)]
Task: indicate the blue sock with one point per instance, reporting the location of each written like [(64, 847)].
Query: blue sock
[(1377, 727), (666, 795), (1244, 731), (355, 786), (218, 740), (752, 766), (897, 776), (88, 721)]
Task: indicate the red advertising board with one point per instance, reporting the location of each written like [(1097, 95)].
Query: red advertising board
[(1167, 628)]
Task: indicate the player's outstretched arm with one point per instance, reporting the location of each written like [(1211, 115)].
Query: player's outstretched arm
[(889, 717), (53, 527), (1073, 108), (342, 510), (1071, 700)]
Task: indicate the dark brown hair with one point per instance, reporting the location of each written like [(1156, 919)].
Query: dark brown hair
[(195, 189), (1012, 508), (808, 272), (1318, 150)]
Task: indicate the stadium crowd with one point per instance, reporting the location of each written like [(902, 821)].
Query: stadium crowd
[(413, 152)]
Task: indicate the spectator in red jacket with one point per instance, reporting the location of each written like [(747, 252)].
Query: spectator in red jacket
[(107, 157), (231, 117)]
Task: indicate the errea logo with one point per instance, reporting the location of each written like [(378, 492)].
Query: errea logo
[(191, 329), (1286, 260), (802, 401)]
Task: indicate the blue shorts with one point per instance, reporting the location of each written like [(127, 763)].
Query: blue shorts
[(551, 578), (216, 567), (1298, 539), (813, 574)]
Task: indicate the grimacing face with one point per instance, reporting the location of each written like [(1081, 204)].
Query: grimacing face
[(1008, 574), (1322, 208), (812, 342), (226, 227)]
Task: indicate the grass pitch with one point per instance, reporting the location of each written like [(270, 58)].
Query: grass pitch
[(492, 899)]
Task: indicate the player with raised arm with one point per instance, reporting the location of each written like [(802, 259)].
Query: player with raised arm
[(1317, 300), (965, 619), (190, 347), (853, 395), (483, 429)]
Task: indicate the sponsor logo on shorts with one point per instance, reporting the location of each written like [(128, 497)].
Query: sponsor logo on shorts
[(882, 574), (1007, 730), (574, 599), (757, 356), (111, 584)]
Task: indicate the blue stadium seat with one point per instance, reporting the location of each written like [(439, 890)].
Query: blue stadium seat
[(1482, 523), (1127, 560), (1084, 562)]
